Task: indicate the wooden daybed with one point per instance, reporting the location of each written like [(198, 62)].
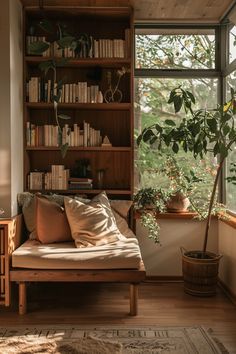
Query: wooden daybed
[(133, 275)]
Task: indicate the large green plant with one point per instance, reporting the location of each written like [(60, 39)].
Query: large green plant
[(204, 131), (58, 33)]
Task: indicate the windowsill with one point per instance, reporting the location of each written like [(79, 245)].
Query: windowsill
[(182, 215), (231, 221)]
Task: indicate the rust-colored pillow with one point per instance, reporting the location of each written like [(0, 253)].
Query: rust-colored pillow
[(51, 222)]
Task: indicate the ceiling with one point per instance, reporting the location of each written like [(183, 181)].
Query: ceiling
[(162, 11)]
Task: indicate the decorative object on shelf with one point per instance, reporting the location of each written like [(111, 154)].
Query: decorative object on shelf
[(106, 142), (82, 169), (1, 212), (204, 132), (100, 178), (99, 97), (113, 94)]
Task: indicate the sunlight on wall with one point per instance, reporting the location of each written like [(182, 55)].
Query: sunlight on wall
[(5, 181)]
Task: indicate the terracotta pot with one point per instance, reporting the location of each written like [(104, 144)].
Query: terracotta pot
[(177, 203)]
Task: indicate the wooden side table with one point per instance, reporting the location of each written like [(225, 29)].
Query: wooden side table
[(9, 240)]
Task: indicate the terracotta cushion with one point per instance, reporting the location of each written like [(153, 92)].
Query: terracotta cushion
[(51, 222)]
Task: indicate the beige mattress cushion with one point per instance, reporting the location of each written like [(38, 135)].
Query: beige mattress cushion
[(125, 254)]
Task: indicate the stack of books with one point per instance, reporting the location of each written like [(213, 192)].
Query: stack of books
[(75, 183)]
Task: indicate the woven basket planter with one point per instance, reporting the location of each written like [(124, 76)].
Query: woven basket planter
[(200, 274)]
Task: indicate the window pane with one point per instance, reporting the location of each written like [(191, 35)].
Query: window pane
[(230, 187), (177, 49), (232, 44), (151, 107)]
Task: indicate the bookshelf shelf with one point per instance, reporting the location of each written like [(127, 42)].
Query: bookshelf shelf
[(83, 191), (86, 76), (82, 106), (88, 62), (75, 148)]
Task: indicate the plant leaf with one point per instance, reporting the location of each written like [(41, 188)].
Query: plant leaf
[(170, 122), (37, 48), (175, 148), (64, 149), (46, 66), (63, 116), (190, 95), (65, 42), (46, 26)]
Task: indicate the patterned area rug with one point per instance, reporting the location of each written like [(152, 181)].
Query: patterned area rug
[(108, 340)]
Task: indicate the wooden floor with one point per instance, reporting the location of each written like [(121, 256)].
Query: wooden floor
[(161, 304)]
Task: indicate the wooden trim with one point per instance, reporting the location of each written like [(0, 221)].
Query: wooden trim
[(229, 293), (163, 278)]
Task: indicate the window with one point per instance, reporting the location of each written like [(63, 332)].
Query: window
[(232, 44), (175, 49), (230, 187), (170, 50)]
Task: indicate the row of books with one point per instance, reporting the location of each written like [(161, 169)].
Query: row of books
[(37, 90), (47, 135), (58, 179), (100, 48)]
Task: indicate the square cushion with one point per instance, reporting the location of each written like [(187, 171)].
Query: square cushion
[(26, 201), (92, 223), (51, 222), (120, 209)]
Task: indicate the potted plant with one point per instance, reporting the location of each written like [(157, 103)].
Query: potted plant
[(200, 133), (149, 201), (176, 194)]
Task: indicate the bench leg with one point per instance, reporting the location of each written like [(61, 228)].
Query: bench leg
[(133, 299), (22, 298)]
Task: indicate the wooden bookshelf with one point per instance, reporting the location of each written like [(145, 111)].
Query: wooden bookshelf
[(114, 119)]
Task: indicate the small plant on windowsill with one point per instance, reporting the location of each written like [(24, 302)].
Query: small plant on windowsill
[(149, 201), (177, 195)]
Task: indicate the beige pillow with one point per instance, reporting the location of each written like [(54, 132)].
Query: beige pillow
[(92, 223), (120, 209), (51, 222)]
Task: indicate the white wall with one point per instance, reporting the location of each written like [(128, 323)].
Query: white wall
[(227, 247), (11, 114), (166, 260), (16, 71), (5, 122)]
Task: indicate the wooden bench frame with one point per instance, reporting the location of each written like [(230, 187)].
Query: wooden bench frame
[(25, 275), (131, 276)]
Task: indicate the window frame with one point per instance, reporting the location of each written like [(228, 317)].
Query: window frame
[(227, 69)]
